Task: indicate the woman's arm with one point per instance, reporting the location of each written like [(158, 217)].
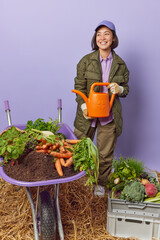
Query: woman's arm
[(124, 84), (80, 81)]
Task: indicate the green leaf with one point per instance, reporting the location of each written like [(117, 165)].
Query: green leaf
[(15, 155), (3, 150), (9, 148)]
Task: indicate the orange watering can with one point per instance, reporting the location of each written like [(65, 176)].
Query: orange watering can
[(98, 104)]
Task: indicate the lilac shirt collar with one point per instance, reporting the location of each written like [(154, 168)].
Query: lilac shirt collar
[(110, 57)]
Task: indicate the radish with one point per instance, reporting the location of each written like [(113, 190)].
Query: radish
[(117, 181), (151, 190)]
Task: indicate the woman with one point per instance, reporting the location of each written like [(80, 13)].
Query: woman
[(102, 65)]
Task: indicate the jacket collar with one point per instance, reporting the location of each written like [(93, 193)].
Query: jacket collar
[(95, 56)]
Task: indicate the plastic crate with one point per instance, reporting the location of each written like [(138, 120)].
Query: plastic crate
[(131, 226), (134, 208), (133, 219)]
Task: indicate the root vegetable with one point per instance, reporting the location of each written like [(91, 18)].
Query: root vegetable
[(58, 167), (151, 190), (69, 162), (38, 147), (61, 155), (42, 151), (43, 133), (144, 181), (55, 146), (69, 147), (73, 141), (62, 149), (117, 181), (43, 141), (62, 161)]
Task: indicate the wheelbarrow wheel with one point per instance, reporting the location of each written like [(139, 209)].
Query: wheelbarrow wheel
[(47, 217)]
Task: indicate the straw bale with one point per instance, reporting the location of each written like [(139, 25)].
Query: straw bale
[(84, 216)]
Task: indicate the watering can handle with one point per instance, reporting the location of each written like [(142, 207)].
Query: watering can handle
[(103, 84)]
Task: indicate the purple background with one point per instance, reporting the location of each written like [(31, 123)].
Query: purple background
[(41, 43)]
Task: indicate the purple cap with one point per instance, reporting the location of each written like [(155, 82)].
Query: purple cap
[(108, 24)]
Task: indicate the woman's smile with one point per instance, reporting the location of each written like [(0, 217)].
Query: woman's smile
[(104, 38)]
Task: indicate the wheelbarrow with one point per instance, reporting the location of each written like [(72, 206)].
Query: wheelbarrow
[(46, 212)]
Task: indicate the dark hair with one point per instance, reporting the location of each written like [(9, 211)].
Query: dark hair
[(94, 44)]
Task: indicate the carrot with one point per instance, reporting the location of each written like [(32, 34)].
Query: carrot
[(55, 146), (38, 147), (58, 167), (49, 144), (62, 149), (80, 169), (43, 140), (65, 143), (61, 155), (69, 162), (69, 146), (73, 141), (44, 146), (42, 151), (62, 161)]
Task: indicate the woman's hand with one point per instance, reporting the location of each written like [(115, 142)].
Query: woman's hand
[(85, 114), (115, 88)]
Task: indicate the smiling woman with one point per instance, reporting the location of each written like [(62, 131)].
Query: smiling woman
[(105, 38), (102, 65)]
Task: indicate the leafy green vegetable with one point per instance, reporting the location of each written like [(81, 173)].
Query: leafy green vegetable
[(85, 157), (40, 129), (133, 191), (41, 125), (13, 143), (127, 168)]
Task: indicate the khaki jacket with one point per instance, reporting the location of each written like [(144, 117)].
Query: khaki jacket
[(89, 71)]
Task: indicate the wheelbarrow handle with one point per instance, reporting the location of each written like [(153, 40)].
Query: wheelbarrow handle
[(59, 107), (7, 109), (6, 104)]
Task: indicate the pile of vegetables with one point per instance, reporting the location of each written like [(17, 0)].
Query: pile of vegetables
[(129, 181), (43, 137)]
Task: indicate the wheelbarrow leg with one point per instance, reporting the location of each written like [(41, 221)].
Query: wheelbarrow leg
[(36, 234), (58, 214)]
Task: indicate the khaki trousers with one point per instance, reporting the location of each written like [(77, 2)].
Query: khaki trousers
[(106, 143)]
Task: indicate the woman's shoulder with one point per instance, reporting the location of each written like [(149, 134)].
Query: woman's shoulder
[(117, 58), (89, 57)]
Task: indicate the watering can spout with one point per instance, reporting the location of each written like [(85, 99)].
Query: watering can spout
[(82, 95)]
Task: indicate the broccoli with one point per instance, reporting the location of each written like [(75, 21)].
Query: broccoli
[(133, 191)]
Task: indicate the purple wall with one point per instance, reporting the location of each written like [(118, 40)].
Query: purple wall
[(41, 43)]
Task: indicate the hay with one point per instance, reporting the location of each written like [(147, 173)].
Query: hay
[(83, 215)]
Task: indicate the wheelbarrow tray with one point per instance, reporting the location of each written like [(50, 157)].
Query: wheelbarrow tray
[(70, 135)]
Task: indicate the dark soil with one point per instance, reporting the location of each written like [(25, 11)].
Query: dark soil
[(36, 167)]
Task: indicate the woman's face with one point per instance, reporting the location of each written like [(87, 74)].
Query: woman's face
[(104, 38)]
